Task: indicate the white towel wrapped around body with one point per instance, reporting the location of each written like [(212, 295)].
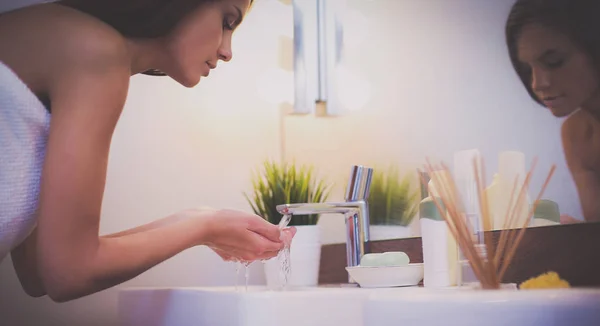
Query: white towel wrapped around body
[(24, 127)]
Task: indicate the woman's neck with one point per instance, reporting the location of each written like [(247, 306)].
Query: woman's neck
[(144, 54)]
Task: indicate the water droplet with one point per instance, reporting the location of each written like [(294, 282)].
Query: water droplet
[(237, 274), (247, 276)]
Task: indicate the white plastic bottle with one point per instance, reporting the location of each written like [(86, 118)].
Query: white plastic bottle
[(440, 252), (466, 185), (511, 166), (496, 202)]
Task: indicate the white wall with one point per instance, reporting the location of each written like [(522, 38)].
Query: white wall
[(440, 82)]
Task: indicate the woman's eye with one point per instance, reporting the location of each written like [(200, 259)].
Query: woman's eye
[(229, 23), (553, 60), (554, 63)]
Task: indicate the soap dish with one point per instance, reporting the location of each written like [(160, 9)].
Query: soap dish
[(387, 276)]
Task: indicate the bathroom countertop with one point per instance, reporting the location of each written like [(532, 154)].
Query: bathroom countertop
[(570, 250)]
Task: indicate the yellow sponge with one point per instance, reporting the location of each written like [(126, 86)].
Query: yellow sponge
[(549, 280)]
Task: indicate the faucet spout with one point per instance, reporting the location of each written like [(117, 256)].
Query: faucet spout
[(355, 209), (316, 208)]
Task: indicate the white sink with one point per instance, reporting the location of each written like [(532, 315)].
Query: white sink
[(352, 306), (470, 307), (216, 306)]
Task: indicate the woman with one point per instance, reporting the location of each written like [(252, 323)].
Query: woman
[(554, 46), (64, 75)]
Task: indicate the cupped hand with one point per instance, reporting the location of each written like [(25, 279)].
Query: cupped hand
[(237, 235), (287, 235)]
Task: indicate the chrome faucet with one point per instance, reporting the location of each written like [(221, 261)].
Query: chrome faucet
[(355, 209)]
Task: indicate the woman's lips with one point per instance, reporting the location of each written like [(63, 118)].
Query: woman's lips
[(207, 70), (553, 101)]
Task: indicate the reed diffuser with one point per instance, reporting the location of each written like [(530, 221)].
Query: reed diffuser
[(489, 262)]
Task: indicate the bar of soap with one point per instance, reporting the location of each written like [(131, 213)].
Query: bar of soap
[(386, 259)]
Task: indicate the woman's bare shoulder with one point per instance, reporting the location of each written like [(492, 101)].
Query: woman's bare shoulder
[(44, 41), (581, 139), (579, 127)]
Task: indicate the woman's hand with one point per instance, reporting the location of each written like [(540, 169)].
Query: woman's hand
[(287, 235), (237, 235)]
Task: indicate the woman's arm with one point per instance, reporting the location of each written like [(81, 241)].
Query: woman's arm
[(25, 261), (588, 188), (85, 69), (25, 264), (582, 152), (87, 98), (150, 226)]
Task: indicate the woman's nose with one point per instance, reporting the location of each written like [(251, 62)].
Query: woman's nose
[(540, 80), (224, 52)]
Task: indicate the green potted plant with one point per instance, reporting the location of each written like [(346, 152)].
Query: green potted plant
[(393, 204), (287, 183)]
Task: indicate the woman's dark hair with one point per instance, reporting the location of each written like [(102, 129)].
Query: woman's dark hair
[(138, 18), (577, 19)]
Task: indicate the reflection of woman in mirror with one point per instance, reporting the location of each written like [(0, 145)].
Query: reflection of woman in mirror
[(554, 46)]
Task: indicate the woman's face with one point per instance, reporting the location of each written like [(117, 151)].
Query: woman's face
[(202, 39), (562, 75)]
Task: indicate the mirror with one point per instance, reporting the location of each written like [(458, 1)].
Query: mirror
[(424, 79), (318, 44)]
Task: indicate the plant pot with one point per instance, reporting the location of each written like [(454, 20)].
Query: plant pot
[(537, 222), (305, 257), (387, 232), (415, 226)]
